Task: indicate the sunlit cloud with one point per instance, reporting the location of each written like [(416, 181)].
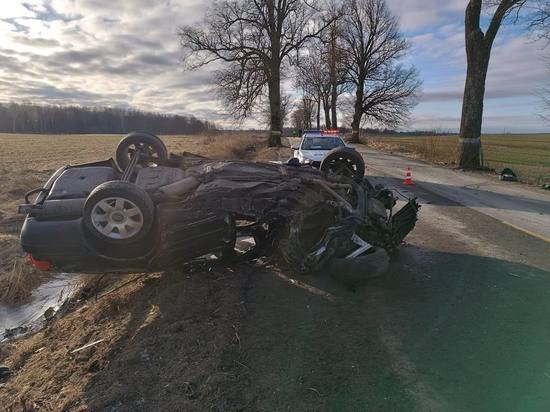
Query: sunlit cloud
[(126, 54)]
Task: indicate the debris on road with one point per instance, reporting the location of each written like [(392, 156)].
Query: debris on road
[(508, 175), (12, 332), (49, 313), (87, 346), (4, 372)]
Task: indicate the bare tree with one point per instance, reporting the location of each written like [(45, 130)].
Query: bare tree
[(298, 119), (303, 114), (337, 67), (307, 106), (325, 97), (332, 63), (539, 21), (384, 92), (312, 78), (539, 24), (263, 115), (309, 90), (321, 73), (254, 39), (478, 53)]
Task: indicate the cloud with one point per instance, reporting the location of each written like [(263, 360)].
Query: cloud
[(37, 42), (126, 53), (517, 70), (100, 52), (425, 14)]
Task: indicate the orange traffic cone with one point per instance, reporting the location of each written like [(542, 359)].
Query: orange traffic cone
[(408, 178)]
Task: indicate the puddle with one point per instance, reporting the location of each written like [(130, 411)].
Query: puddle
[(29, 317)]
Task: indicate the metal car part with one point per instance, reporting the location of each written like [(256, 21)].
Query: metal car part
[(117, 218), (192, 204)]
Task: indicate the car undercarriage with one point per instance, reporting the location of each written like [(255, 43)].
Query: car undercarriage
[(151, 211)]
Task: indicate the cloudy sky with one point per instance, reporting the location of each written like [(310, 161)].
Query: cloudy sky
[(125, 53)]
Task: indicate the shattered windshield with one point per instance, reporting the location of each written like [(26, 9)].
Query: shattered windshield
[(321, 143)]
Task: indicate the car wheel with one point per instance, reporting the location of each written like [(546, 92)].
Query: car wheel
[(344, 161), (150, 146), (303, 240), (119, 212)]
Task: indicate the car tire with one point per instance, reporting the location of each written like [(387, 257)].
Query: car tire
[(150, 144), (119, 213), (345, 161), (297, 242)]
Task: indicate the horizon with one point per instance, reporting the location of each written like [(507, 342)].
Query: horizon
[(98, 54)]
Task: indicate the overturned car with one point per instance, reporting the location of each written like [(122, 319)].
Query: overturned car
[(148, 211)]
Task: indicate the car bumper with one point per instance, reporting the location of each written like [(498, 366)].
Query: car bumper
[(313, 163)]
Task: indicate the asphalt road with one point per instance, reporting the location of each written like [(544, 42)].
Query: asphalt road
[(459, 321)]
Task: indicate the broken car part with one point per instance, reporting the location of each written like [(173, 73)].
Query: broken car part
[(150, 211)]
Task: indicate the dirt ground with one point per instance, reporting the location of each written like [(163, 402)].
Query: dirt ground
[(167, 342), (27, 161), (457, 321)]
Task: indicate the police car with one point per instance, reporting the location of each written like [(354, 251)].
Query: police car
[(315, 146)]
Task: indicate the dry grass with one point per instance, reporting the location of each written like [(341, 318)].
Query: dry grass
[(244, 147), (232, 147), (17, 284), (106, 320), (433, 149), (137, 329), (17, 278), (436, 150), (49, 152), (527, 155)]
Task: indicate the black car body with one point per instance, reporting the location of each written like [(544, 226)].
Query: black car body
[(148, 211)]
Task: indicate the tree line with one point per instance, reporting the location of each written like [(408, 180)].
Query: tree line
[(344, 56), (32, 118), (330, 48)]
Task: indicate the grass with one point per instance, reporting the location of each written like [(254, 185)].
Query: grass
[(528, 155), (17, 284), (17, 279), (27, 161), (242, 147)]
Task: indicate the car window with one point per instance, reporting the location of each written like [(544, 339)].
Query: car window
[(321, 143)]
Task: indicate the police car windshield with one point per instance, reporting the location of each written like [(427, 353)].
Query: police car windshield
[(321, 143)]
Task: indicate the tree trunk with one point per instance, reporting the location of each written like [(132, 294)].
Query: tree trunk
[(327, 112), (358, 111), (472, 116), (478, 51), (333, 85), (318, 113), (333, 101), (275, 107)]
